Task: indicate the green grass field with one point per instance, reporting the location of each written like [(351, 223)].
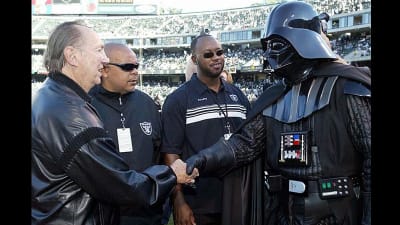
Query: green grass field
[(171, 221)]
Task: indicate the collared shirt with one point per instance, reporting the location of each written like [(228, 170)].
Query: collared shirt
[(194, 117), (140, 115)]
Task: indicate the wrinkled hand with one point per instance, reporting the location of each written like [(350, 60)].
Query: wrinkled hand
[(179, 168)]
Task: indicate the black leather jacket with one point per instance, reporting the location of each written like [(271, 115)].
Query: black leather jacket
[(77, 176)]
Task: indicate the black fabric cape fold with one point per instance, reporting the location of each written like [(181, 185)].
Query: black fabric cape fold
[(242, 197)]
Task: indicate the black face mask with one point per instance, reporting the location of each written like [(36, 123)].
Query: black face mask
[(285, 62), (279, 53), (296, 72)]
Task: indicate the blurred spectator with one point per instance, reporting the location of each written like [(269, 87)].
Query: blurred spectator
[(227, 76)]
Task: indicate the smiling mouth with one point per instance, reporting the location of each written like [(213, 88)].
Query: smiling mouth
[(216, 66)]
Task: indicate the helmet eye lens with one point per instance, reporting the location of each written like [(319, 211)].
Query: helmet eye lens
[(277, 45), (279, 53)]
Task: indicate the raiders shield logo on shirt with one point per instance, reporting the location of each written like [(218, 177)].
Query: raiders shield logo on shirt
[(234, 97), (146, 127)]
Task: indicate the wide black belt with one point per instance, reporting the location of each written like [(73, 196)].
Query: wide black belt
[(328, 188)]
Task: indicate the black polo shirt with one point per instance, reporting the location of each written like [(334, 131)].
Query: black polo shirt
[(193, 118), (141, 116)]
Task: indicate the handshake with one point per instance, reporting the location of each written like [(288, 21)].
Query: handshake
[(180, 169), (217, 160)]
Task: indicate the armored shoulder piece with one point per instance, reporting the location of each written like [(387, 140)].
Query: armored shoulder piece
[(356, 88), (302, 100)]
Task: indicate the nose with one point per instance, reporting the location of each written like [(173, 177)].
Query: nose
[(104, 58), (135, 72)]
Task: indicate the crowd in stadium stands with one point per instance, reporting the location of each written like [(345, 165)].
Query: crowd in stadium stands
[(179, 24), (191, 23), (163, 60), (344, 46), (340, 6), (352, 46)]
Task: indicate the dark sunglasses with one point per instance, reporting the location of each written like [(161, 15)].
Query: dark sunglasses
[(125, 67), (208, 55)]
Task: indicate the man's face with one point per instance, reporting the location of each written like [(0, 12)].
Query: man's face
[(122, 75), (91, 58), (210, 57)]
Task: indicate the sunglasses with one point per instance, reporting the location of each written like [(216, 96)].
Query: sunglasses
[(125, 67), (208, 55)]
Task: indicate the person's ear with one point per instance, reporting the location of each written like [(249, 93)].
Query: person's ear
[(70, 55), (194, 59)]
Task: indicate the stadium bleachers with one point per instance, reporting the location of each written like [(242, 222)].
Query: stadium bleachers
[(162, 41)]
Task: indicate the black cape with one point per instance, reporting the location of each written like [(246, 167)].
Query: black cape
[(242, 194)]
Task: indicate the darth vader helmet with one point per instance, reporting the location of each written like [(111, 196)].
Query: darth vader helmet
[(292, 40)]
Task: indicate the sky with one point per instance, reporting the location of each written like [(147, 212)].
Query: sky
[(206, 5)]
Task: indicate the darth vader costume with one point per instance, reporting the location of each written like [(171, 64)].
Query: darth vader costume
[(312, 130)]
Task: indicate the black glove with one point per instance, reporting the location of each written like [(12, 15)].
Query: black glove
[(217, 159)]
